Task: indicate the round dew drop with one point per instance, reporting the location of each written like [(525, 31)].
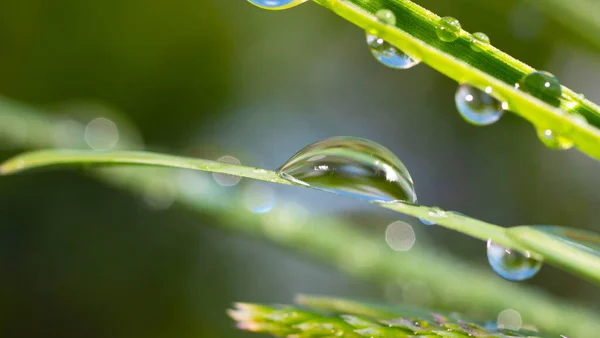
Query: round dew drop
[(542, 85), (478, 107), (510, 264), (389, 55), (385, 52), (353, 167), (448, 29), (479, 42), (553, 140), (276, 4)]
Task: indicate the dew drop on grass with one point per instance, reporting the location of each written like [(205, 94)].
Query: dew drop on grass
[(511, 264), (554, 140), (477, 106), (353, 167), (542, 85), (385, 52), (479, 42), (448, 29), (276, 4), (435, 213)]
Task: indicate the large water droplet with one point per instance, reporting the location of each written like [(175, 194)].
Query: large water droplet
[(448, 29), (511, 264), (276, 4), (351, 166), (554, 140), (385, 52), (542, 85), (478, 107), (480, 42)]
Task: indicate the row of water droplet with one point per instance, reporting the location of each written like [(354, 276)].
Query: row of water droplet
[(366, 170), (478, 105)]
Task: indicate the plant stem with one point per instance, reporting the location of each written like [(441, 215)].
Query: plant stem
[(449, 284), (415, 34)]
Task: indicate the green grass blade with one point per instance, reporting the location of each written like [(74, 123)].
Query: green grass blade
[(454, 221), (415, 34), (450, 284), (288, 321), (562, 247)]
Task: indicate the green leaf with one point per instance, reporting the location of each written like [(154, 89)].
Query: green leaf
[(451, 220), (444, 281), (562, 246), (355, 319), (415, 34)]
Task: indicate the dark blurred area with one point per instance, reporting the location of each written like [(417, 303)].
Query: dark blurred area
[(221, 77)]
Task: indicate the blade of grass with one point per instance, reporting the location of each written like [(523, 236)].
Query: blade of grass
[(448, 284), (415, 34), (454, 221)]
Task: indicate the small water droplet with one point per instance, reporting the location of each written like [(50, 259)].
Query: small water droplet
[(276, 4), (511, 264), (554, 140), (353, 167), (480, 42), (448, 29), (385, 52), (542, 85), (433, 212), (386, 16), (477, 106)]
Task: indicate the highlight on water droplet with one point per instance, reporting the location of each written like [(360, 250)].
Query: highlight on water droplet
[(353, 167), (554, 140), (477, 106), (448, 29), (542, 85), (276, 4), (511, 264), (480, 42), (385, 52)]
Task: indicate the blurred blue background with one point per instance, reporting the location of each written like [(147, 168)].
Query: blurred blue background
[(211, 78)]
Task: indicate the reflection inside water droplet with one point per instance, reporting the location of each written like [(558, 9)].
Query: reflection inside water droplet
[(554, 140), (389, 55), (542, 85), (385, 52), (448, 29), (511, 264), (477, 106), (351, 166), (276, 4), (480, 42)]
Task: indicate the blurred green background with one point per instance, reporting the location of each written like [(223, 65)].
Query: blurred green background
[(221, 77)]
